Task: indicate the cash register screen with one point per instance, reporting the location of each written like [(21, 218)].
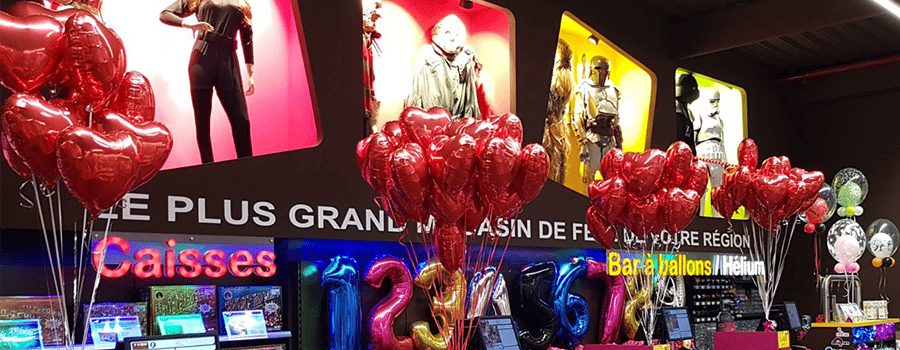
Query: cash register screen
[(173, 342), (498, 333), (793, 316), (678, 325)]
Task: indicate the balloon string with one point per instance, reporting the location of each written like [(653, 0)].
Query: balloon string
[(100, 266), (27, 203)]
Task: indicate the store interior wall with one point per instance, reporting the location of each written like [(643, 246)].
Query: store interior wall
[(332, 45)]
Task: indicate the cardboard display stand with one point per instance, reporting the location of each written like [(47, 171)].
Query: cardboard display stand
[(752, 340)]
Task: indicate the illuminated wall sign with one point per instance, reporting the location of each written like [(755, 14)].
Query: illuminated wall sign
[(158, 256), (682, 264)]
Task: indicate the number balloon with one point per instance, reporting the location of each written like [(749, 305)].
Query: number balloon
[(381, 321), (571, 309), (447, 305), (340, 281), (534, 315)]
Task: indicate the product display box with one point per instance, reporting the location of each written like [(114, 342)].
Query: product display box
[(138, 310), (752, 340), (182, 300), (45, 308), (245, 298)]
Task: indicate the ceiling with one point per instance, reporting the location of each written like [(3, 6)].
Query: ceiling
[(794, 37)]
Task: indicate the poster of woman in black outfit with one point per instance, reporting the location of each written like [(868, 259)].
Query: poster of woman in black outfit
[(214, 65)]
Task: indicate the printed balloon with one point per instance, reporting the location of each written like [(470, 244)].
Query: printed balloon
[(883, 238)]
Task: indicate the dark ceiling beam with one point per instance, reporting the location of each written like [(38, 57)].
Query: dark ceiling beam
[(759, 21)]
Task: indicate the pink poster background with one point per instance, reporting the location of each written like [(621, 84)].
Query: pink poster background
[(281, 109)]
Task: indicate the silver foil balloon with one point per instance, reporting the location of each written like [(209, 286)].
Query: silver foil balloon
[(488, 288), (500, 298)]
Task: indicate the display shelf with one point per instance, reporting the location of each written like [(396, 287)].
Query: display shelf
[(854, 324), (222, 339)]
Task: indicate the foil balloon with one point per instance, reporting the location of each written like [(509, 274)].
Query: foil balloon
[(827, 193), (30, 51), (500, 298), (613, 301), (410, 173), (134, 99), (15, 162), (498, 164), (480, 290), (340, 281), (447, 305), (851, 187), (846, 241), (535, 165), (95, 57), (639, 299), (532, 306), (154, 139), (378, 169), (450, 246), (423, 126), (883, 238), (32, 126), (643, 171), (97, 169), (571, 309), (384, 314), (30, 8)]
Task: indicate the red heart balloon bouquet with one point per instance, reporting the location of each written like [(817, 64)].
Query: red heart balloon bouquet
[(460, 172)]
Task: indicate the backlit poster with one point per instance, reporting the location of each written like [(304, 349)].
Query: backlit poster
[(600, 98), (436, 53), (711, 117), (200, 76)]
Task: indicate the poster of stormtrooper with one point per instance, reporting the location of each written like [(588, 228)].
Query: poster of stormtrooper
[(711, 117), (600, 98), (436, 53)]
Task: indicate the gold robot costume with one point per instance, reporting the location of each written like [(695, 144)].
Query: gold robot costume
[(555, 131)]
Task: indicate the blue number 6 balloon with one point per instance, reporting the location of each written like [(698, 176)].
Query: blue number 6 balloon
[(340, 280), (571, 309)]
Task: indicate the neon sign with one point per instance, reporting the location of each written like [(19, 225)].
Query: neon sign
[(189, 263)]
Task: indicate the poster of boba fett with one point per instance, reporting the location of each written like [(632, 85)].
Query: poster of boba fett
[(600, 98), (711, 117)]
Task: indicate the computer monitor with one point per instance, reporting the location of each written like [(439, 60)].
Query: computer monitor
[(206, 341), (677, 323), (790, 309), (494, 333)]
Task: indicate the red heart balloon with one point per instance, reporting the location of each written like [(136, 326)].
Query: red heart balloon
[(748, 153), (455, 163), (724, 204), (456, 127), (771, 190), (678, 164), (362, 155), (475, 213), (506, 205), (379, 170), (422, 126), (814, 181), (738, 182), (643, 171), (697, 179), (680, 208), (450, 245), (30, 8), (95, 57), (611, 164), (409, 173), (392, 129), (769, 220), (15, 162), (97, 169), (76, 111), (30, 51), (32, 126), (643, 214), (750, 201), (601, 230), (154, 139), (534, 165), (482, 131), (498, 163), (405, 208), (393, 209), (611, 197), (795, 197), (447, 208), (775, 165), (134, 99), (509, 126)]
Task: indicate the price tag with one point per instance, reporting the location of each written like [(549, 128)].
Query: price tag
[(660, 347)]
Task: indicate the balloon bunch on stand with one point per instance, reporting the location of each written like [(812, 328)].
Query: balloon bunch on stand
[(772, 194), (846, 239), (653, 195), (96, 132), (451, 177), (883, 239)]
